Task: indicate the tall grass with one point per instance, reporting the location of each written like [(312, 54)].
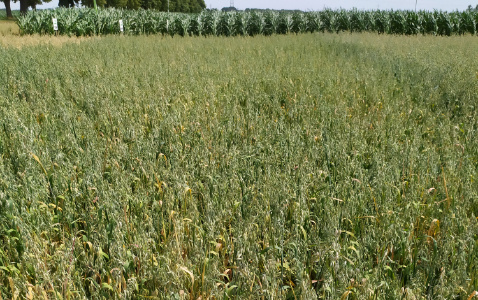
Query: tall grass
[(8, 28), (310, 166)]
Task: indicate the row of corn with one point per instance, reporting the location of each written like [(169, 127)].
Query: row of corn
[(86, 21)]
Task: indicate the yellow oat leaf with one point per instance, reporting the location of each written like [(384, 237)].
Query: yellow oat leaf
[(39, 162), (345, 295), (12, 285), (29, 294), (189, 273)]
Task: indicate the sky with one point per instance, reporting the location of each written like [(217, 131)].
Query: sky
[(308, 5)]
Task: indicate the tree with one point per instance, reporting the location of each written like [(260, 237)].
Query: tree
[(164, 5), (68, 3), (172, 5), (183, 6), (227, 9), (152, 4), (8, 8), (116, 3), (90, 3), (25, 4), (196, 6), (470, 8), (201, 4), (186, 6), (133, 4)]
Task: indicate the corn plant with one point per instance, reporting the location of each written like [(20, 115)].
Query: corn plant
[(357, 21), (468, 23), (382, 21)]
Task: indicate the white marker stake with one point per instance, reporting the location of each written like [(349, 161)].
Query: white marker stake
[(121, 25), (55, 24)]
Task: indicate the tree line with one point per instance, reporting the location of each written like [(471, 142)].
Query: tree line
[(472, 9), (186, 6)]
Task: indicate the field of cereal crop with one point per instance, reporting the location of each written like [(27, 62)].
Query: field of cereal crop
[(311, 166)]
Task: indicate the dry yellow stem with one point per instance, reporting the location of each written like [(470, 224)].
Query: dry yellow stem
[(433, 230), (446, 189), (475, 293)]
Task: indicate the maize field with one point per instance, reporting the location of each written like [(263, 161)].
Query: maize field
[(86, 21)]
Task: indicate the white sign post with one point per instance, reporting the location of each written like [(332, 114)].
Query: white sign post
[(55, 25), (121, 26)]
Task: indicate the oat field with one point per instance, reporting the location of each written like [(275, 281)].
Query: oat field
[(310, 166)]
